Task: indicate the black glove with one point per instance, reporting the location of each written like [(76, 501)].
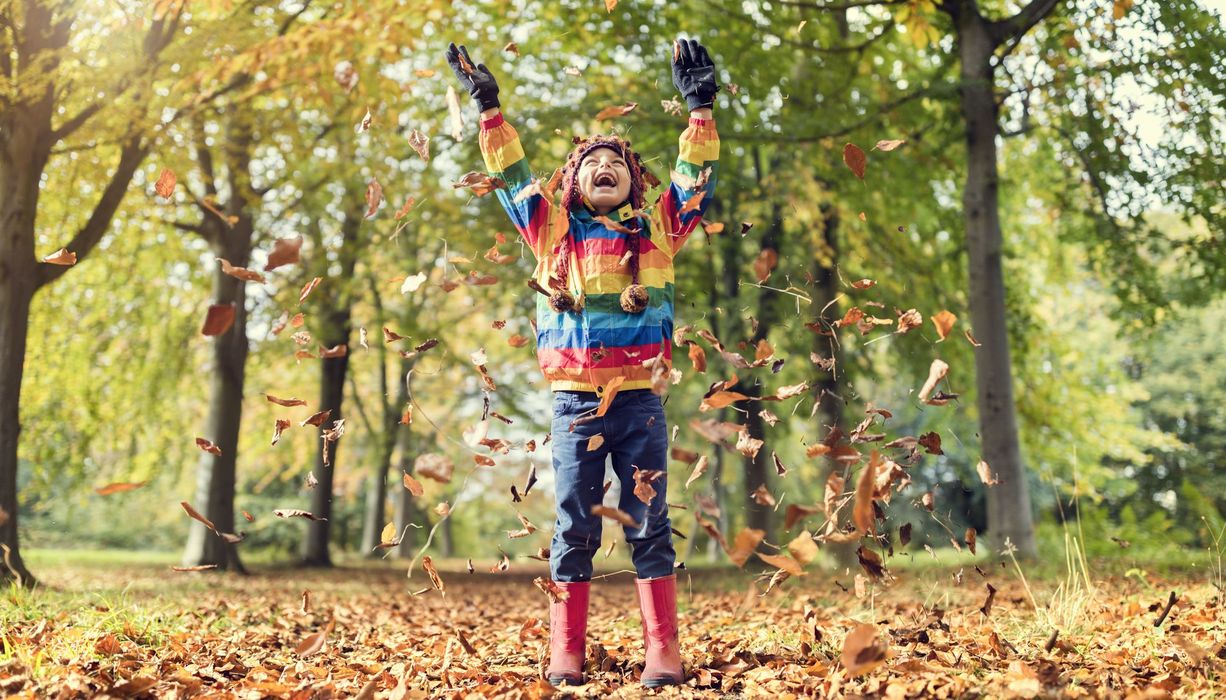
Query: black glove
[(694, 73), (474, 78)]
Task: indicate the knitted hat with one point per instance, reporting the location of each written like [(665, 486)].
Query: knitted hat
[(640, 178)]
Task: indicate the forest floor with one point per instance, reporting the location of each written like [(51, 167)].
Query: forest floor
[(133, 628)]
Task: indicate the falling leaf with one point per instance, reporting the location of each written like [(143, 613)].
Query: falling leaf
[(421, 143), (119, 487), (747, 445), (969, 538), (700, 468), (803, 548), (434, 466), (517, 341), (208, 446), (609, 5), (862, 652), (987, 604), (285, 251), (195, 515), (620, 516), (643, 480), (374, 197), (863, 284), (165, 185), (297, 513), (61, 257), (971, 339), (479, 183), (279, 427), (944, 321), (936, 372), (413, 283), (308, 288), (862, 512), (455, 115), (855, 159), (908, 320), (616, 111), (744, 544), (889, 145), (241, 273), (317, 419), (985, 474), (285, 402), (364, 125), (720, 399), (764, 264), (762, 496), (693, 203), (608, 392), (512, 48), (218, 319)]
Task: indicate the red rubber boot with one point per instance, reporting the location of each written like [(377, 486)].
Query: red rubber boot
[(658, 604), (568, 635)]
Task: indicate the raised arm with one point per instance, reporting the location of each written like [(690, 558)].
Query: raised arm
[(501, 149), (698, 148)]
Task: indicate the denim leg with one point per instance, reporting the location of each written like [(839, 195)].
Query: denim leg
[(640, 439), (579, 484)]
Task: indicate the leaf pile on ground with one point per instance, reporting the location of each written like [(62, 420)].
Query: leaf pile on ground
[(370, 632)]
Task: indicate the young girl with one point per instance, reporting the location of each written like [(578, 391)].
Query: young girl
[(605, 273)]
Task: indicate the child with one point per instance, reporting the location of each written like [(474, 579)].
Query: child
[(605, 262)]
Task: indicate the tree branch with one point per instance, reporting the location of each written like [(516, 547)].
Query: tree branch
[(130, 158), (846, 5), (1016, 26)]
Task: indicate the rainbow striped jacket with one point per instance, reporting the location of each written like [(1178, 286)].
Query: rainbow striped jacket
[(583, 350)]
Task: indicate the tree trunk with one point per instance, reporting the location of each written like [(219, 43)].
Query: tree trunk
[(1009, 515), (408, 511), (216, 474), (337, 327), (389, 413), (331, 393), (16, 291), (758, 467)]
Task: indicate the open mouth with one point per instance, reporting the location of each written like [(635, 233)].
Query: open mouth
[(605, 180)]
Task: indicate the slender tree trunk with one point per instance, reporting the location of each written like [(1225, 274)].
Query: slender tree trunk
[(408, 511), (1009, 515), (758, 467), (389, 413), (216, 474)]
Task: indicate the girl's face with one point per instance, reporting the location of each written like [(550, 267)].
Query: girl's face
[(604, 178)]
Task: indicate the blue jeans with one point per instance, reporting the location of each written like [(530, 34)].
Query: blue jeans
[(635, 434)]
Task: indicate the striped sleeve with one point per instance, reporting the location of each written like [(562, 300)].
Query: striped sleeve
[(699, 150), (505, 160)]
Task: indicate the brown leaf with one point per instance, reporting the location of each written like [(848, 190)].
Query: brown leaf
[(862, 651), (762, 496), (862, 513), (241, 273), (944, 321), (195, 515), (643, 480), (317, 419), (285, 251), (720, 399), (744, 544), (512, 48), (969, 538), (374, 197), (889, 145), (421, 143), (700, 468), (620, 516), (119, 487), (61, 257), (308, 288), (551, 589), (165, 185), (693, 203), (412, 485), (788, 564), (208, 446), (218, 319), (855, 159), (608, 392), (479, 183), (987, 604), (313, 643), (795, 513), (764, 264), (434, 466), (285, 402), (278, 428), (616, 111)]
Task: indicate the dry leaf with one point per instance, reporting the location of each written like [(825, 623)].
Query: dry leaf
[(208, 446), (944, 321), (620, 516), (936, 372), (119, 487), (218, 319), (421, 143), (862, 652), (61, 257), (374, 197), (165, 185), (855, 159), (616, 111), (889, 145), (285, 251)]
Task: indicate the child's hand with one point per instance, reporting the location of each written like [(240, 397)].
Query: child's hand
[(475, 78), (694, 73)]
